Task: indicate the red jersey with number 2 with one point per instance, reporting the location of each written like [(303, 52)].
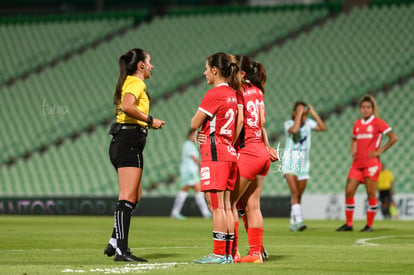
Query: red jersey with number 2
[(220, 105), (368, 134)]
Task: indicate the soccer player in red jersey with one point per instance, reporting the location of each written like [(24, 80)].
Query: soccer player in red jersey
[(366, 166), (254, 156), (216, 116)]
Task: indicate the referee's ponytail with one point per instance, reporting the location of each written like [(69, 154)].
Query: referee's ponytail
[(128, 65)]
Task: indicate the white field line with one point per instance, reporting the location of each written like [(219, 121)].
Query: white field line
[(129, 268), (369, 241)]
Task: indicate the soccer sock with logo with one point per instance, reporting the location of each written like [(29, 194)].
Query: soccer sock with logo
[(372, 209), (349, 210), (202, 205), (255, 240), (122, 221), (220, 241), (178, 203)]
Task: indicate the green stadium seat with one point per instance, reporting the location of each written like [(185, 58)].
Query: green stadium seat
[(36, 43), (319, 67)]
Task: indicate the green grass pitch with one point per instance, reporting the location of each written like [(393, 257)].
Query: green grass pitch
[(74, 245)]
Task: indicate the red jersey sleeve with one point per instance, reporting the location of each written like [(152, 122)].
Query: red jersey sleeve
[(208, 104), (383, 126), (354, 133)]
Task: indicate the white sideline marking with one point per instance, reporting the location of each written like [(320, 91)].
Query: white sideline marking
[(126, 269), (366, 241)]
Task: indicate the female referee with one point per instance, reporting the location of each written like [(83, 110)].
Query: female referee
[(128, 141), (366, 166), (216, 116), (255, 155)]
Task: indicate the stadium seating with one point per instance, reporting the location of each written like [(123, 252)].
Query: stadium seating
[(341, 60), (333, 147), (58, 99), (31, 44), (77, 167), (83, 167), (319, 67), (369, 52)]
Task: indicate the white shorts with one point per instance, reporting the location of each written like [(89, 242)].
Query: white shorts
[(302, 172), (296, 166), (189, 177)]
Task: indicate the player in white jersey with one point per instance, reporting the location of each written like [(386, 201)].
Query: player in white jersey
[(296, 163), (190, 179)]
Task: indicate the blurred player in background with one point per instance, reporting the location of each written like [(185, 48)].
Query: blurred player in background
[(190, 178), (216, 116), (254, 157), (366, 166), (386, 189), (296, 159), (129, 135)]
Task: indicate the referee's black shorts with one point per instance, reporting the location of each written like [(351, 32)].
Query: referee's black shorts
[(385, 196), (127, 146)]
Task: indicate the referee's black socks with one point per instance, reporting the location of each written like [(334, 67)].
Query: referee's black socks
[(122, 217)]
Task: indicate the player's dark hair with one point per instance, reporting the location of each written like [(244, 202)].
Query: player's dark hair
[(370, 99), (227, 67), (297, 103), (128, 65), (190, 132), (255, 72)]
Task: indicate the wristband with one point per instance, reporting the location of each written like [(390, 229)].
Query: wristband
[(150, 120)]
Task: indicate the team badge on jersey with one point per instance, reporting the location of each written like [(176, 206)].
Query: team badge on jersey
[(232, 151), (372, 170), (205, 173), (369, 128)]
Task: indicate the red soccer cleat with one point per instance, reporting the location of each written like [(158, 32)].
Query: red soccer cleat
[(252, 258), (237, 257)]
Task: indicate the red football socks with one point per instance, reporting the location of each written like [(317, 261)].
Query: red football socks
[(349, 210)]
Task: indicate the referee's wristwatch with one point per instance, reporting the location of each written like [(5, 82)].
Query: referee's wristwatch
[(150, 121)]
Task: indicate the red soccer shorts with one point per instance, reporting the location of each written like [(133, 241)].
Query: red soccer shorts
[(218, 175), (360, 174), (254, 159)]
